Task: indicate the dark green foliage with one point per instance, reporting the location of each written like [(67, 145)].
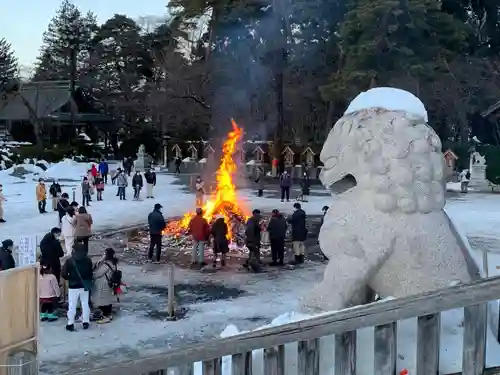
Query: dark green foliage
[(492, 156), (8, 64), (146, 137)]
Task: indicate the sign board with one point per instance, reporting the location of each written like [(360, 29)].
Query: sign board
[(26, 253)]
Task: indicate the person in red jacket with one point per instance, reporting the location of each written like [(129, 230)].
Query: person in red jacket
[(93, 170), (200, 231)]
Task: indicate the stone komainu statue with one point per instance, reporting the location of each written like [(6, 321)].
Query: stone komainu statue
[(389, 231)]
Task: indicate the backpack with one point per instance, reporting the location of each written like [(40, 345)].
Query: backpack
[(467, 175), (115, 280)]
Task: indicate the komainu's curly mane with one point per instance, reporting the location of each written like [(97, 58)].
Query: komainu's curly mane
[(399, 160)]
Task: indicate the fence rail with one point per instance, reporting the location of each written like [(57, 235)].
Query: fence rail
[(344, 324)]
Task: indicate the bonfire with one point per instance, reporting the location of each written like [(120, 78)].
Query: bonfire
[(224, 200)]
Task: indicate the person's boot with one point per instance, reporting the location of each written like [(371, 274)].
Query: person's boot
[(301, 259), (43, 317), (70, 328), (52, 317), (296, 260), (86, 325), (2, 221)]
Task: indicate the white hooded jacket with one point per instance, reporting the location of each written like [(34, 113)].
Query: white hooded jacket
[(67, 226)]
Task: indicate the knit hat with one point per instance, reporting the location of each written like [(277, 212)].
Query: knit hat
[(7, 243)]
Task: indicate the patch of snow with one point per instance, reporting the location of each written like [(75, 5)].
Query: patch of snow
[(202, 160), (66, 170), (187, 160), (389, 98), (455, 187), (251, 162)]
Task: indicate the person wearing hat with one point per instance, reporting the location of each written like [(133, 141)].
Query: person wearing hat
[(252, 239), (6, 259), (277, 231), (200, 231), (156, 223), (299, 232)]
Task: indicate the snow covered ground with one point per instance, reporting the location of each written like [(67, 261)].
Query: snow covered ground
[(476, 215)]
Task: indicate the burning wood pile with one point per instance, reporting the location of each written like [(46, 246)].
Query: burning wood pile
[(223, 201)]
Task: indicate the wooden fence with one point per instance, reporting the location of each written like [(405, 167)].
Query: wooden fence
[(19, 320), (343, 324)]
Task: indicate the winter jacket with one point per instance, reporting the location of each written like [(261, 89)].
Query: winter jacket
[(83, 225), (150, 177), (102, 294), (219, 232), (305, 184), (200, 186), (62, 207), (41, 192), (52, 251), (6, 260), (93, 170), (252, 232), (178, 162), (48, 286), (121, 180), (277, 228), (77, 269), (103, 167), (85, 187), (55, 190), (99, 183), (298, 222), (199, 228), (156, 222), (137, 181), (285, 180), (68, 226)]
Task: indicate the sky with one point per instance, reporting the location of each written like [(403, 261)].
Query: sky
[(24, 21)]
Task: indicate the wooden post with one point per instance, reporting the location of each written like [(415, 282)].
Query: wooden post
[(428, 338), (386, 353), (345, 353), (242, 363), (485, 263), (171, 292), (309, 354), (474, 346), (22, 363), (274, 360)]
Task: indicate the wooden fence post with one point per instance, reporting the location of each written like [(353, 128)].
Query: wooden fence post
[(171, 292), (22, 363)]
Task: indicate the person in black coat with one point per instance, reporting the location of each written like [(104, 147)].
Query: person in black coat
[(299, 232), (150, 177), (55, 192), (219, 232), (178, 163), (52, 251), (252, 239), (137, 184), (6, 259), (277, 231), (62, 206), (156, 223)]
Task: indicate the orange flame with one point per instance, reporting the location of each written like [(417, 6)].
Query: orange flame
[(224, 200)]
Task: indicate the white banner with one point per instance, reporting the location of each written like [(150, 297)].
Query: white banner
[(26, 252)]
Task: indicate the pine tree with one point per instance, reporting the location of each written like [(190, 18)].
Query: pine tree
[(8, 63), (66, 44), (384, 39)]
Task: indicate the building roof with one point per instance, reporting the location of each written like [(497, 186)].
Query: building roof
[(450, 152), (43, 98)]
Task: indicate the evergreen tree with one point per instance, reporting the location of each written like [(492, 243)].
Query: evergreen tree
[(383, 40), (8, 63), (66, 44)]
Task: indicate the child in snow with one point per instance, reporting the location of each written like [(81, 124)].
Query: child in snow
[(99, 185), (49, 293), (2, 199), (41, 196)]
